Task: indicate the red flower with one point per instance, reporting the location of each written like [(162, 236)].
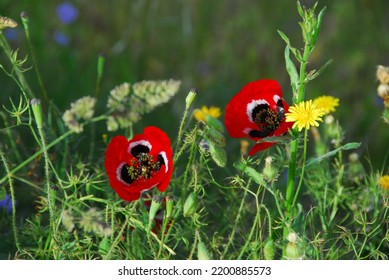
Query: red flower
[(140, 164), (257, 111)]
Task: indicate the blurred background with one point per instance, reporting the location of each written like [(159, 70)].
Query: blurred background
[(213, 46)]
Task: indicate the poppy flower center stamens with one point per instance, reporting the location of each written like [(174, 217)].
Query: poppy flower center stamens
[(142, 167), (267, 119)]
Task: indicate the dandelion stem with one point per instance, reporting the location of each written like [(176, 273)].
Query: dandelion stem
[(294, 145), (302, 168)]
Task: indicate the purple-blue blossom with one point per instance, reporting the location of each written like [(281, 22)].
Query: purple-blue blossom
[(6, 203), (61, 38), (67, 12)]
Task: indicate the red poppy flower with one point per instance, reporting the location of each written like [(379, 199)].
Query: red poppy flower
[(257, 111), (140, 164)]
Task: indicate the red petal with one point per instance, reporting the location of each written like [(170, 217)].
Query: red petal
[(260, 146)]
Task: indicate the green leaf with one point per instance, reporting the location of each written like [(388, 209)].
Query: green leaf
[(348, 146), (295, 51), (317, 73), (292, 71), (300, 9), (318, 25), (284, 37)]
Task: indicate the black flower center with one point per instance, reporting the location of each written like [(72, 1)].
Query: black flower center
[(142, 167), (266, 119)]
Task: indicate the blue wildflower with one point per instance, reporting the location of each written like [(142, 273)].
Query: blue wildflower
[(6, 203), (11, 34), (61, 38), (67, 12)]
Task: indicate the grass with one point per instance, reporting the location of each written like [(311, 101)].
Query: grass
[(314, 195)]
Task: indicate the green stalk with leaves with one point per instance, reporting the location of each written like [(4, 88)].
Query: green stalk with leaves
[(310, 26)]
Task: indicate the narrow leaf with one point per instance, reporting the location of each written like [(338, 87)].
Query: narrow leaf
[(317, 73), (300, 9), (348, 146), (318, 25), (284, 37), (292, 71)]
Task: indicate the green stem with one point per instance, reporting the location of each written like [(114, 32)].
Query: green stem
[(197, 236), (13, 202), (182, 123), (302, 168), (302, 81), (48, 188), (290, 190), (232, 235), (19, 73), (254, 226), (36, 154), (25, 22)]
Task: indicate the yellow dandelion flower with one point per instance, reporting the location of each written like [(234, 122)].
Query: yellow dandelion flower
[(327, 103), (7, 22), (384, 182), (200, 114), (304, 115)]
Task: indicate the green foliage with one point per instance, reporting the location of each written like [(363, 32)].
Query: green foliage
[(220, 203)]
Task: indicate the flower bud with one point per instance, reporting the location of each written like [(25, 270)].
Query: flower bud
[(268, 250), (270, 173), (190, 98), (292, 252), (25, 20), (190, 204), (251, 172), (202, 252), (292, 237), (214, 135), (155, 205), (37, 111), (100, 65), (218, 154), (169, 205)]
